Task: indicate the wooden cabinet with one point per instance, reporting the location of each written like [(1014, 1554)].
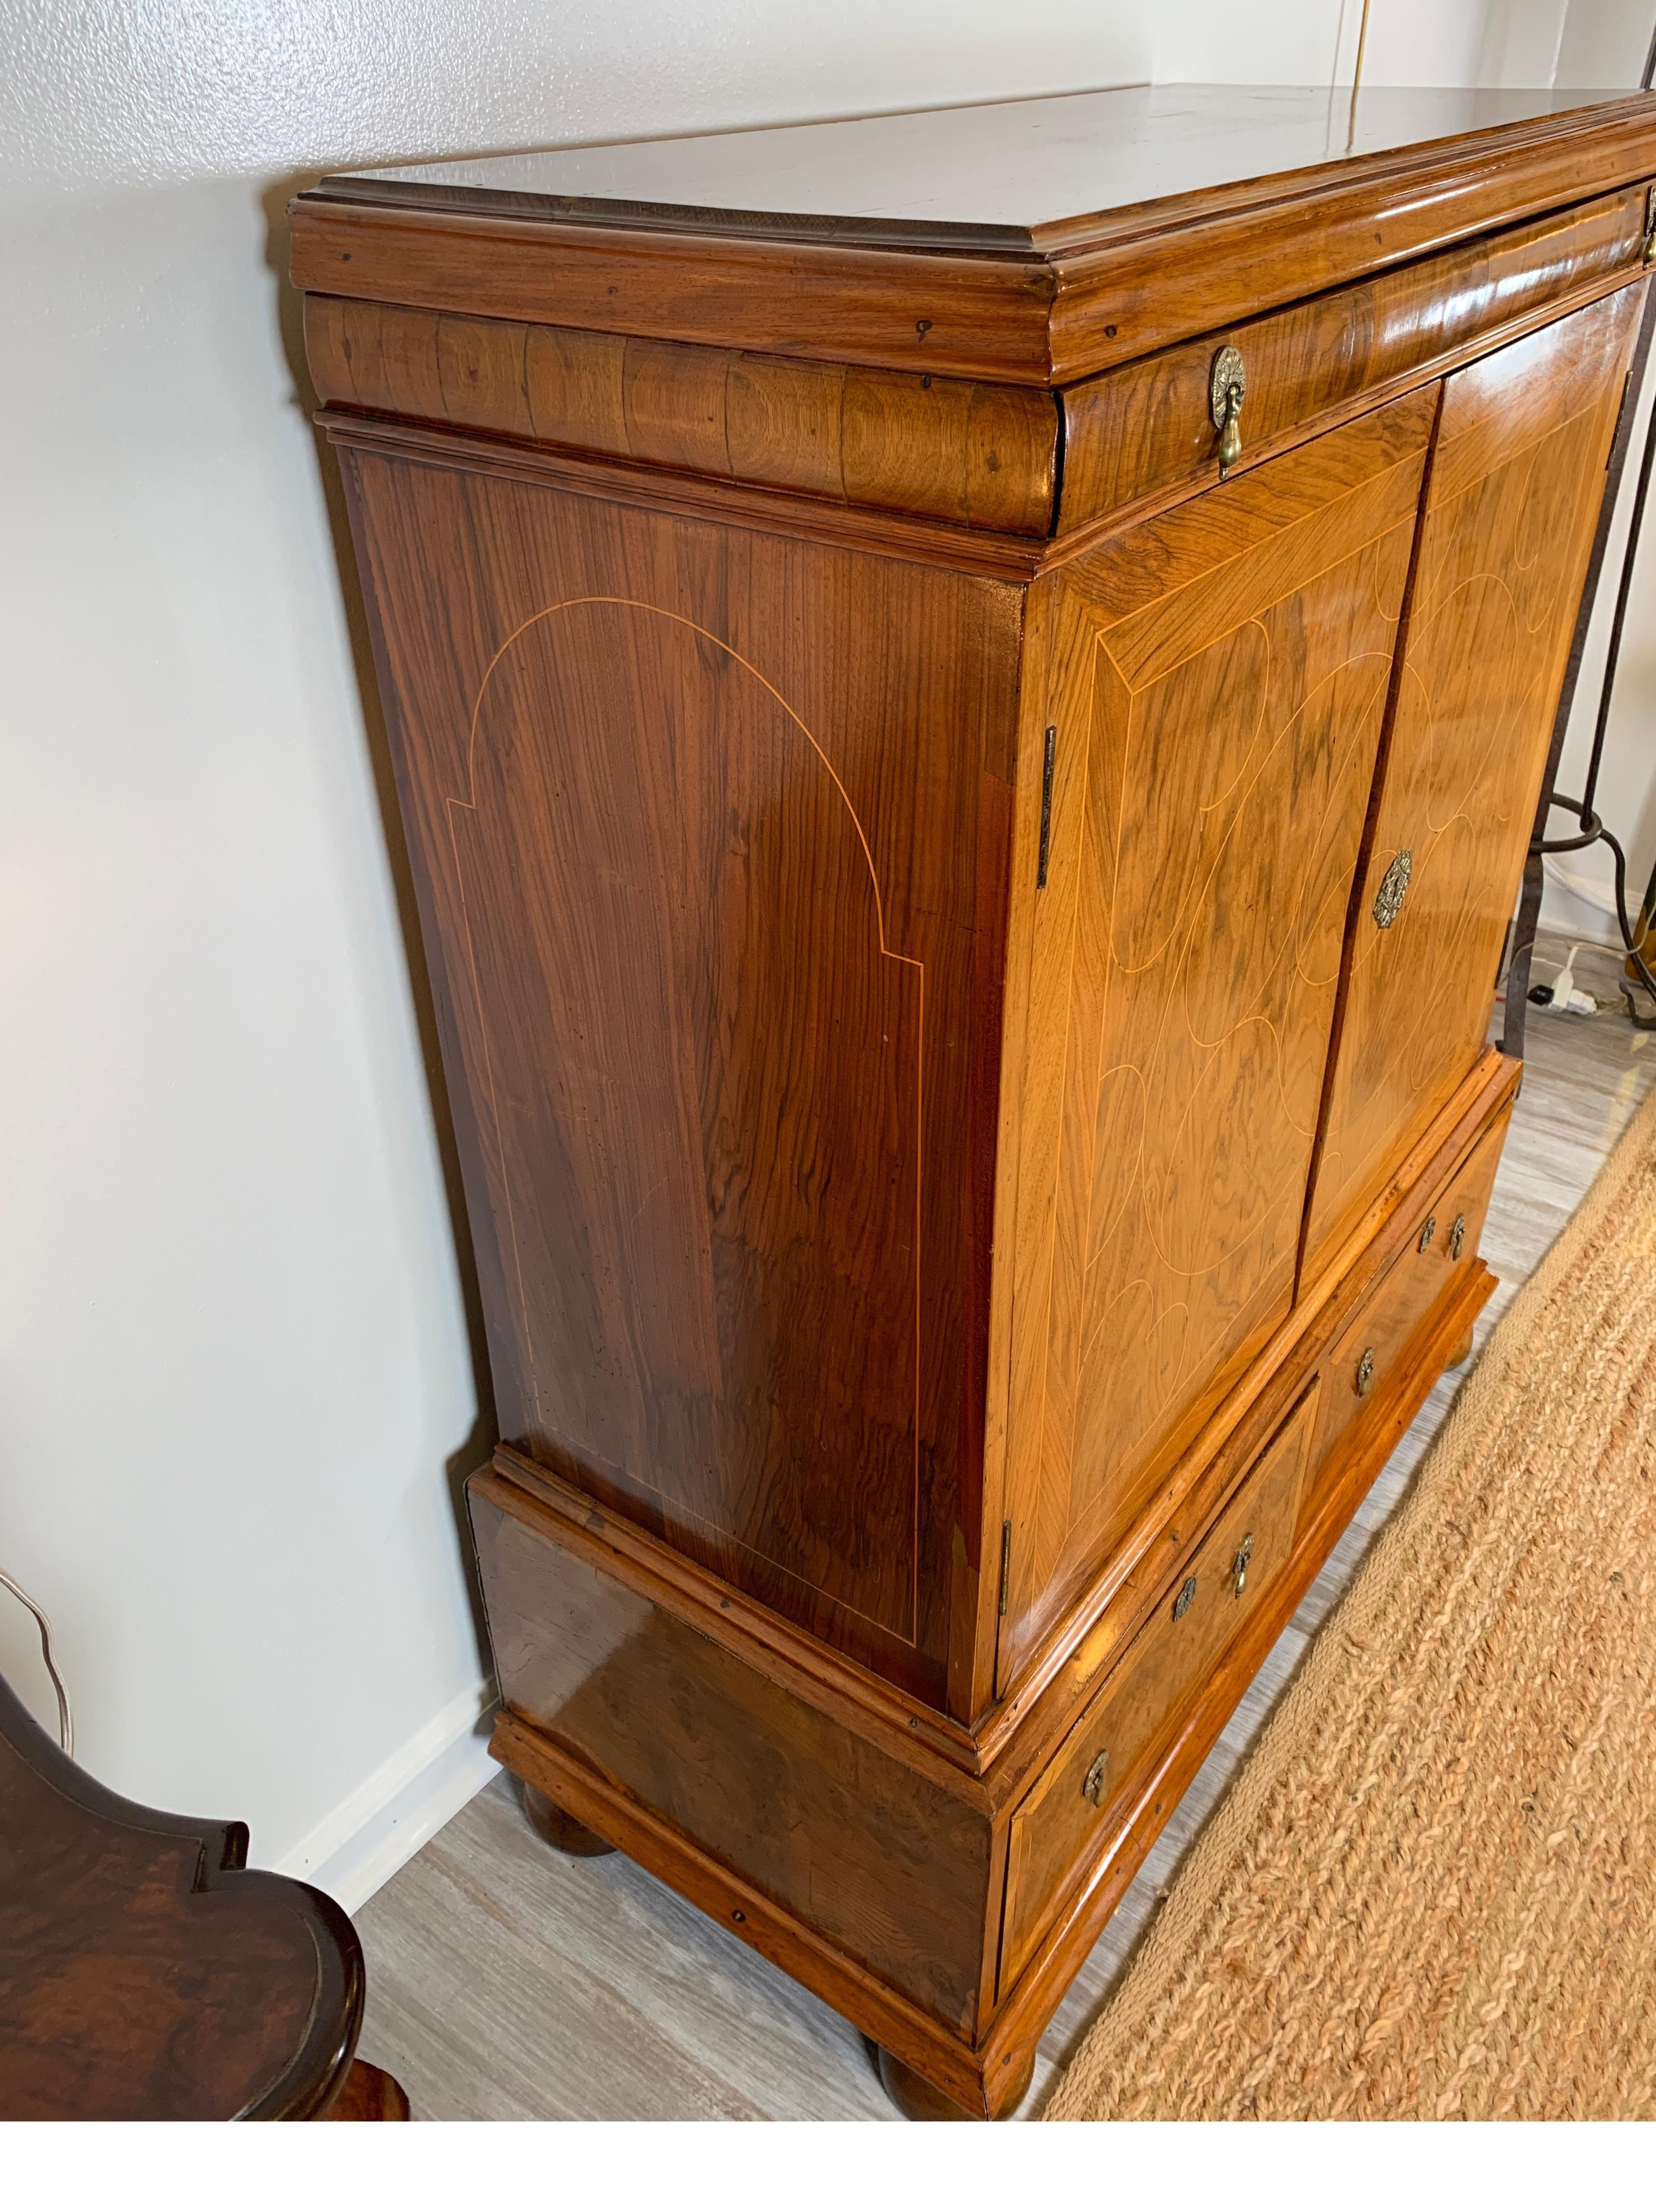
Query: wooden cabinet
[(962, 938)]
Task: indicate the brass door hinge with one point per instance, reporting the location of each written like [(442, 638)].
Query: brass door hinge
[(1046, 806), (1006, 1563)]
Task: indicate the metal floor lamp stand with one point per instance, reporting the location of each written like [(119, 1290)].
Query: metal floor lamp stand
[(1585, 809)]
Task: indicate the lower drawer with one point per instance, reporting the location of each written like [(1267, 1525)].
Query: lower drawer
[(1082, 1796), (1442, 1244), (889, 1864)]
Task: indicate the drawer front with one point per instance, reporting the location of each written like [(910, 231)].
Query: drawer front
[(1443, 1243), (1147, 429), (980, 454), (1080, 1800), (887, 1862)]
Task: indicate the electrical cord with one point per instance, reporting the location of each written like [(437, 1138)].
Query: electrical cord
[(65, 1718)]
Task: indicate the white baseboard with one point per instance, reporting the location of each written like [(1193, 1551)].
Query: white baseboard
[(357, 1848)]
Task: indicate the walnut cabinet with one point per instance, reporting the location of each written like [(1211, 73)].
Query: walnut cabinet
[(968, 693)]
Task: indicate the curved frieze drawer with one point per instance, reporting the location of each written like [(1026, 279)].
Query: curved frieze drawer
[(1158, 425), (981, 456)]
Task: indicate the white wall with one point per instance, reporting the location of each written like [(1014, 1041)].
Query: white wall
[(236, 1385), (1604, 41)]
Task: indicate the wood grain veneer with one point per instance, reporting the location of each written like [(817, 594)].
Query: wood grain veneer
[(1516, 477), (725, 934), (1208, 675), (1442, 1249), (984, 2074), (1066, 1666), (1142, 431), (897, 844), (1068, 1817), (890, 1865), (1089, 290), (981, 455)]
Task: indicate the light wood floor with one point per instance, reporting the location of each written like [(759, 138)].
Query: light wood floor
[(506, 1983)]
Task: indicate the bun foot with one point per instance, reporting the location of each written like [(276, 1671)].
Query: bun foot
[(918, 2098), (1462, 1352), (560, 1829)]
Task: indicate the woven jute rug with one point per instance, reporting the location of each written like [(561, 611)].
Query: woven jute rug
[(1431, 1891)]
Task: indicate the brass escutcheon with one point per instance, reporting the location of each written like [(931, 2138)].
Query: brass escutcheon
[(1092, 1788), (1427, 1233), (1182, 1602), (1457, 1237), (1239, 1564), (1388, 900), (1365, 1372), (1228, 388)]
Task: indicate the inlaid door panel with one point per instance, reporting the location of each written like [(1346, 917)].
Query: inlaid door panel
[(1512, 497), (1217, 680), (698, 814)]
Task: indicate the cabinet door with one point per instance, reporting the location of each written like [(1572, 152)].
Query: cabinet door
[(1516, 477), (1216, 680)]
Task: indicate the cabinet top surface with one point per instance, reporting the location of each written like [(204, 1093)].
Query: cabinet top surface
[(1017, 176)]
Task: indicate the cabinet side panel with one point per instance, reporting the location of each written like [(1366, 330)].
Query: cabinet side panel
[(698, 811), (1219, 679), (1516, 480)]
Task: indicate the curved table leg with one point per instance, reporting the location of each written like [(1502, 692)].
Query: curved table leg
[(369, 2093)]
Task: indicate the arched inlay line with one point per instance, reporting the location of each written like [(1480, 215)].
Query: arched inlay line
[(469, 805)]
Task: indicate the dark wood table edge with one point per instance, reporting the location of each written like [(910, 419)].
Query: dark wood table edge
[(321, 2069)]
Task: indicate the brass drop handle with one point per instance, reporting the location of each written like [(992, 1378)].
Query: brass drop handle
[(1239, 1564), (1228, 388), (1366, 1372), (1427, 1233), (1457, 1237), (1650, 225), (1092, 1788)]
